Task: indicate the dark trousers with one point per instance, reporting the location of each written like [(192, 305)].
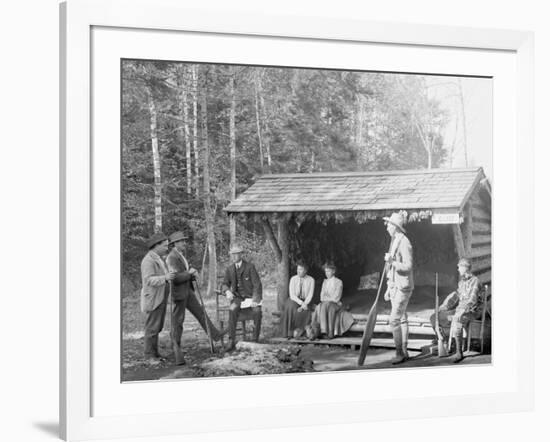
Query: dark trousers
[(154, 321), (254, 313), (192, 304)]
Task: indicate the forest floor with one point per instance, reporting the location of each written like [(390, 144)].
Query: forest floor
[(249, 358), (194, 341)]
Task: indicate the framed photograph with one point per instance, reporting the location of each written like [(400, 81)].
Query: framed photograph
[(269, 214)]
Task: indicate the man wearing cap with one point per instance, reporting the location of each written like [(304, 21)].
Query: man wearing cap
[(183, 295), (461, 306), (399, 270), (154, 291), (241, 282)]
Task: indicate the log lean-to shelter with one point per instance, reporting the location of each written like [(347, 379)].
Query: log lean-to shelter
[(338, 216)]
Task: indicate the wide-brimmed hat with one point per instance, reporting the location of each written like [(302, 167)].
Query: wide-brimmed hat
[(155, 239), (236, 248), (465, 262), (177, 236), (397, 220)]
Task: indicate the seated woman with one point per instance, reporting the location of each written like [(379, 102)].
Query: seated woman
[(297, 311), (329, 318)]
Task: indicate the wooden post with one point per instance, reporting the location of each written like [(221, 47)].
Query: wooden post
[(280, 246), (459, 241), (283, 266)]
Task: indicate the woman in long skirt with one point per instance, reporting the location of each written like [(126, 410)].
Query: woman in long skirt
[(329, 317), (297, 311)]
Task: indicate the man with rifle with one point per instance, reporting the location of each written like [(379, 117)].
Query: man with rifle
[(242, 287), (184, 297), (399, 270)]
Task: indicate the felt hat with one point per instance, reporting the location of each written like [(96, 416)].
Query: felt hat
[(236, 248), (155, 239), (177, 236), (397, 220)]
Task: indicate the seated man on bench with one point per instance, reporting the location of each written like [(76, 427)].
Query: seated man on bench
[(460, 307), (242, 285)]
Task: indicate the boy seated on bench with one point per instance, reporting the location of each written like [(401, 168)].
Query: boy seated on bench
[(460, 307)]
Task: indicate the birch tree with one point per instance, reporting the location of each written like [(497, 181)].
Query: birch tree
[(233, 152), (195, 89), (156, 159), (207, 197), (184, 84)]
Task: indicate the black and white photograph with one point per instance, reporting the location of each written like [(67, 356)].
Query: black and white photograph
[(288, 220)]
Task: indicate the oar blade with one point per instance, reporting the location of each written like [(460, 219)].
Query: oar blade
[(367, 333)]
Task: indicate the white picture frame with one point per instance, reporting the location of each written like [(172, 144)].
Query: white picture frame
[(78, 18)]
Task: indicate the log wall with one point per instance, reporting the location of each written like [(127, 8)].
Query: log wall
[(481, 238)]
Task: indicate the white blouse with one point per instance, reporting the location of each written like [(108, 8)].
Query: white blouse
[(332, 289)]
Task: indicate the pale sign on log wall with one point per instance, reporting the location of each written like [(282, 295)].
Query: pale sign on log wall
[(445, 218)]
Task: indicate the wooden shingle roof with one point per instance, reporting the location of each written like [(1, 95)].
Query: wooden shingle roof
[(425, 189)]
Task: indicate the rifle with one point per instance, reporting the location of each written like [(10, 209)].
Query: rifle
[(441, 349)]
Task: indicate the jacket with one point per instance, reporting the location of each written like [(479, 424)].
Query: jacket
[(153, 282), (467, 298), (400, 273), (244, 282), (183, 282)]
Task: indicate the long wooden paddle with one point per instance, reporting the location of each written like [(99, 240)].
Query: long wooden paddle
[(371, 322)]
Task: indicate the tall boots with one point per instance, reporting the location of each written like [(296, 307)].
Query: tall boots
[(151, 347), (459, 355), (178, 354), (405, 335), (400, 355)]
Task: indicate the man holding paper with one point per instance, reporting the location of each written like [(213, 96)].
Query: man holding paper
[(243, 289)]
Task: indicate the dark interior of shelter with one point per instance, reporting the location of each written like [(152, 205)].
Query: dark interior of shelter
[(357, 250)]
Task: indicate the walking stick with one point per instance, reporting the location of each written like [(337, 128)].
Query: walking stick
[(441, 349), (206, 321)]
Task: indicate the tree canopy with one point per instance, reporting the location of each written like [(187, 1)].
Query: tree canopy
[(180, 120)]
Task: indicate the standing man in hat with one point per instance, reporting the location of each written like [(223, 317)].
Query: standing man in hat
[(461, 306), (399, 270), (183, 295), (155, 279), (241, 282)]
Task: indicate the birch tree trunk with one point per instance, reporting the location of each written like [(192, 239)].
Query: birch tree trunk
[(208, 212), (233, 153), (156, 160), (263, 117), (184, 81), (195, 130), (258, 122), (461, 96)]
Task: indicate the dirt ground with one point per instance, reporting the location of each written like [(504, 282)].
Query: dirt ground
[(194, 341), (247, 359)]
